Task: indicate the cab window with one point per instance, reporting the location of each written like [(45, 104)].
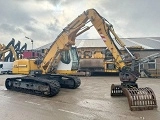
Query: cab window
[(1, 65), (65, 57)]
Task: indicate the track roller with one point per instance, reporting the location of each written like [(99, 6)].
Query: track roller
[(65, 81)]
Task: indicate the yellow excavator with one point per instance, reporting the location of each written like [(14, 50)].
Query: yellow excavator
[(4, 50), (42, 80)]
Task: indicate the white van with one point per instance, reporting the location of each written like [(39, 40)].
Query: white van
[(6, 67)]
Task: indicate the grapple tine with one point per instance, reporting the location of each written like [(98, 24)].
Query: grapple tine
[(140, 98), (116, 90)]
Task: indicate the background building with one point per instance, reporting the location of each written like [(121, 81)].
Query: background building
[(92, 50)]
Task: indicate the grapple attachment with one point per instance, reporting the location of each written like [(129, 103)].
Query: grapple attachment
[(140, 98), (116, 90)]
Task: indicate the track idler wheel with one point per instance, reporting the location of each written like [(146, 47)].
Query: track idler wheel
[(116, 90), (140, 98), (8, 84)]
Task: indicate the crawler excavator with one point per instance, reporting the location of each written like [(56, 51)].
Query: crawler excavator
[(43, 81)]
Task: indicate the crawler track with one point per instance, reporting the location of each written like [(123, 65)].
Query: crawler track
[(33, 85), (44, 85)]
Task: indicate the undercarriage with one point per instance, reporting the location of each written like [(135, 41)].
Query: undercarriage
[(44, 85)]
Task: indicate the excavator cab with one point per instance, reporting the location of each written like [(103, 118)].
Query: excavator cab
[(69, 62)]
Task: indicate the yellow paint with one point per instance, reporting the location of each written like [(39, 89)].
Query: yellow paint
[(24, 66)]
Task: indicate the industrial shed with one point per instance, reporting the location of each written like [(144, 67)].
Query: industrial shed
[(145, 46), (146, 42)]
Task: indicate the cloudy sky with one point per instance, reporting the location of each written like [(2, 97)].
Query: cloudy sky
[(43, 20)]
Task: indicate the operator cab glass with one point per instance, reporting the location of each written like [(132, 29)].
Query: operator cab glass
[(75, 59), (1, 65), (65, 57), (70, 56)]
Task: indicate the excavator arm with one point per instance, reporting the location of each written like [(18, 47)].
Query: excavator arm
[(105, 29)]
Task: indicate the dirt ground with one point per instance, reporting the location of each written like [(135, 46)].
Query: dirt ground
[(91, 101)]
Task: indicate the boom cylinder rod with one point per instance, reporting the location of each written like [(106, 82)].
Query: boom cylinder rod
[(87, 28), (117, 38), (119, 41), (129, 52)]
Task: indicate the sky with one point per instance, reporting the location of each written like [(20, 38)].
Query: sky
[(43, 20)]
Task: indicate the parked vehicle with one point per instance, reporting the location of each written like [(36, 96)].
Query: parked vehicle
[(6, 67)]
